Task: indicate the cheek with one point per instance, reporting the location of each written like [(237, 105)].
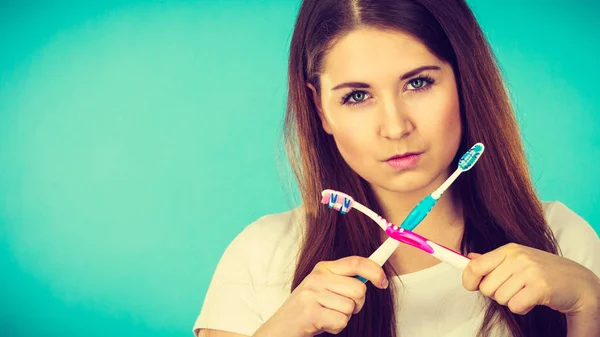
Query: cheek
[(354, 136), (450, 119), (442, 122), (352, 139), (450, 129)]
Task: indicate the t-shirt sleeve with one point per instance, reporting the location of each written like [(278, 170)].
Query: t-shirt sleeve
[(230, 303), (576, 238)]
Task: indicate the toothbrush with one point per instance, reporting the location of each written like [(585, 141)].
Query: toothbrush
[(442, 253), (395, 233), (387, 248), (466, 162), (404, 233), (419, 212)]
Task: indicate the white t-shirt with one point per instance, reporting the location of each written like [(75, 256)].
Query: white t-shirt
[(253, 279)]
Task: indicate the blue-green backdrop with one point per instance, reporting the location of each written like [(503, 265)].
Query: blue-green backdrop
[(127, 126)]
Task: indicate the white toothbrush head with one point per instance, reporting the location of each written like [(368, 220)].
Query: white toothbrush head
[(468, 160)]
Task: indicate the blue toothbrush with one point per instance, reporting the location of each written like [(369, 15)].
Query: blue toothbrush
[(466, 162), (344, 203)]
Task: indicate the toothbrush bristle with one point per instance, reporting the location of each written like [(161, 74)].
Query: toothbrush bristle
[(336, 200), (468, 160)]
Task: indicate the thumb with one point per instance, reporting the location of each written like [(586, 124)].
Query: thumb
[(473, 255)]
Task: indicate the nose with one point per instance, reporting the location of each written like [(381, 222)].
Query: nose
[(395, 122)]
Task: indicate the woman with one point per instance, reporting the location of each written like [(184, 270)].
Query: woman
[(384, 97)]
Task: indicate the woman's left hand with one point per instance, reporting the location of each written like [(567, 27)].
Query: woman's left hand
[(521, 277)]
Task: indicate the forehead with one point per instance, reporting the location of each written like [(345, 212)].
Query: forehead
[(364, 51)]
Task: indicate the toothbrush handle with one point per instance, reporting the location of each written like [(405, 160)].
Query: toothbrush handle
[(361, 279), (382, 254), (448, 255), (442, 253), (418, 213)]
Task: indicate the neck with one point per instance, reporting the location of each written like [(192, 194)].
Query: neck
[(444, 224)]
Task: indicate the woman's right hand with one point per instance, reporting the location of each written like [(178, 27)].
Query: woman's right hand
[(325, 300)]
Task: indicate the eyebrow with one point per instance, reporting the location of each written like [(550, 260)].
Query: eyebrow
[(362, 85)]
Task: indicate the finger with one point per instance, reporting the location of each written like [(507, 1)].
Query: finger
[(509, 289), (524, 301), (480, 266), (348, 287), (331, 321), (473, 255), (333, 301), (357, 265), (495, 279)]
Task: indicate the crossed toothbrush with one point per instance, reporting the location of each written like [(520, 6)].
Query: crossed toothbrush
[(344, 203)]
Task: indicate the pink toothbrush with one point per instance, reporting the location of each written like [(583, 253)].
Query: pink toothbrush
[(344, 203)]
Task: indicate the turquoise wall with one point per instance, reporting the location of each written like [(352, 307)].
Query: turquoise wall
[(127, 126)]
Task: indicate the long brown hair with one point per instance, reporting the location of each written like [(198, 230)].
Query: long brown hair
[(500, 204)]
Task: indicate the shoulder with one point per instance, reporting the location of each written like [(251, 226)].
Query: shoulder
[(272, 228), (566, 225), (270, 231), (266, 249), (577, 240)]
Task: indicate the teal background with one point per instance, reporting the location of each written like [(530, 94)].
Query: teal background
[(128, 128)]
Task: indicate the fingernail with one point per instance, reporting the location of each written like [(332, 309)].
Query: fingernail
[(385, 283)]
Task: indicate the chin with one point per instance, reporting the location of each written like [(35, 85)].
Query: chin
[(409, 182)]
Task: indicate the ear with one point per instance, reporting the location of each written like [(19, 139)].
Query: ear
[(317, 101)]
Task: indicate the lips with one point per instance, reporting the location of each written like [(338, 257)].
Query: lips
[(404, 161), (404, 155)]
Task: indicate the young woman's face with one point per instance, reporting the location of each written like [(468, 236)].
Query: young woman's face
[(385, 95)]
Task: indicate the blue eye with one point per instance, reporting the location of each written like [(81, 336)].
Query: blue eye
[(421, 83), (355, 97), (358, 96), (417, 83)]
